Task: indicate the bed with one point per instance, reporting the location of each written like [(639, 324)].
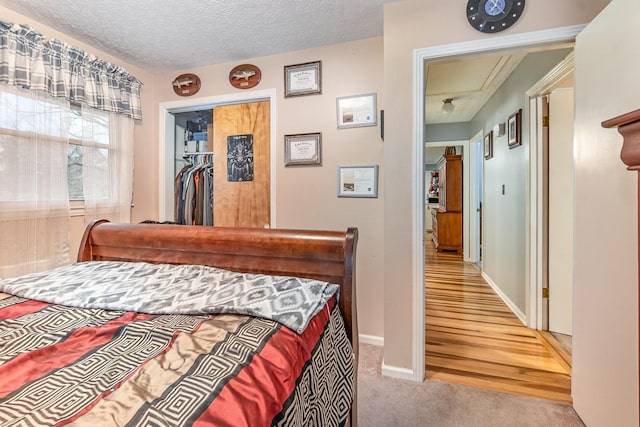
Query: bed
[(169, 325)]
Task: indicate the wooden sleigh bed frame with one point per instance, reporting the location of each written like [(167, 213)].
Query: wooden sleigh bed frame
[(322, 255)]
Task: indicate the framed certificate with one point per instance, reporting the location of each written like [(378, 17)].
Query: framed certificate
[(303, 79), (357, 111), (303, 149), (358, 181)]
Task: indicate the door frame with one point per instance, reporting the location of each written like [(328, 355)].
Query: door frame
[(420, 58), (166, 140), (537, 315), (476, 168)]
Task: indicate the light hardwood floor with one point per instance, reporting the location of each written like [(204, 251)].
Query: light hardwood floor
[(473, 338)]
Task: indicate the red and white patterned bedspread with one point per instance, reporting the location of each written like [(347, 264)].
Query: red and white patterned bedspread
[(61, 365)]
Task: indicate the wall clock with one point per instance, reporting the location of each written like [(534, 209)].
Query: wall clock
[(492, 16)]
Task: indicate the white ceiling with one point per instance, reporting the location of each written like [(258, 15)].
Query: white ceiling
[(168, 35), (469, 82)]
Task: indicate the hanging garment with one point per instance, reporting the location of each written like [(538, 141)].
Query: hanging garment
[(193, 191)]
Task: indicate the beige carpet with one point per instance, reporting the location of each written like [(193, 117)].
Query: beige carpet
[(384, 401)]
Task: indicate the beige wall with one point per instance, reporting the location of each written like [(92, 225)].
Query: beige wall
[(306, 196), (410, 25), (605, 345)]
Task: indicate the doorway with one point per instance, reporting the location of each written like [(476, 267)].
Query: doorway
[(421, 57), (551, 103), (167, 143)]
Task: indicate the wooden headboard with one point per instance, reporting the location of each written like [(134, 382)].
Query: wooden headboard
[(322, 255)]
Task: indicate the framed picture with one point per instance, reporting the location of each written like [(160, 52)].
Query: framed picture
[(358, 181), (488, 145), (303, 79), (514, 129), (304, 149), (356, 111)]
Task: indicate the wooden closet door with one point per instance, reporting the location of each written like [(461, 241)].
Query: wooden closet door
[(243, 203)]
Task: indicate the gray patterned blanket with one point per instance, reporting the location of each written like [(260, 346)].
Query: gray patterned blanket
[(175, 289)]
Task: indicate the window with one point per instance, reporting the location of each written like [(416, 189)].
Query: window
[(88, 147), (74, 171), (81, 129)]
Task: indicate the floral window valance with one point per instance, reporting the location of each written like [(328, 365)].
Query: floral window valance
[(30, 60)]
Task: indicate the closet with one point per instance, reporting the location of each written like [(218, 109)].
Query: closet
[(229, 148), (193, 171)]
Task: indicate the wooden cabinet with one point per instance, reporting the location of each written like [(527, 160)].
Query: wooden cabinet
[(446, 220)]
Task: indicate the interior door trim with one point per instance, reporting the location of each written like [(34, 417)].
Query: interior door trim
[(537, 308), (420, 57)]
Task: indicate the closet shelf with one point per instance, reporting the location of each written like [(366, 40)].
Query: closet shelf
[(197, 152)]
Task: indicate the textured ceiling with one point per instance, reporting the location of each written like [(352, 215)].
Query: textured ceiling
[(168, 35)]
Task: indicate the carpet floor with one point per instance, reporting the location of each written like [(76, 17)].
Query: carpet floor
[(384, 401)]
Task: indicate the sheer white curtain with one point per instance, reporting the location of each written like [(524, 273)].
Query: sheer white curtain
[(34, 202), (107, 159), (40, 126)]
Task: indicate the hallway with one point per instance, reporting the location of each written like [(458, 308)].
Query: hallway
[(473, 338)]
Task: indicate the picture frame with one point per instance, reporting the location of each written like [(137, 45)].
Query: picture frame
[(303, 79), (358, 181), (488, 145), (514, 129), (303, 149), (356, 111)]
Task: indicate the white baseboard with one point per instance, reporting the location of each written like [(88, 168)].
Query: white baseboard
[(400, 373), (387, 370), (371, 339), (519, 314)]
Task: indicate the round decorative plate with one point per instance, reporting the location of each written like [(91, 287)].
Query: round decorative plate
[(493, 16), (186, 84), (244, 76)]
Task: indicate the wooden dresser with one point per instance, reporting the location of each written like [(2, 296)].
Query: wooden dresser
[(447, 218)]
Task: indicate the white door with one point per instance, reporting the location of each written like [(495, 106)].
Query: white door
[(561, 211), (605, 345)]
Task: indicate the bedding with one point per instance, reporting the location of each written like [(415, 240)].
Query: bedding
[(157, 349), (176, 289)]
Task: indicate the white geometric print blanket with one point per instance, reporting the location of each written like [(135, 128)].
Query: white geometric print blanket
[(175, 289)]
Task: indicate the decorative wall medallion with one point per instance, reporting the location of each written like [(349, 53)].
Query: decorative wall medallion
[(186, 84), (244, 76)]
